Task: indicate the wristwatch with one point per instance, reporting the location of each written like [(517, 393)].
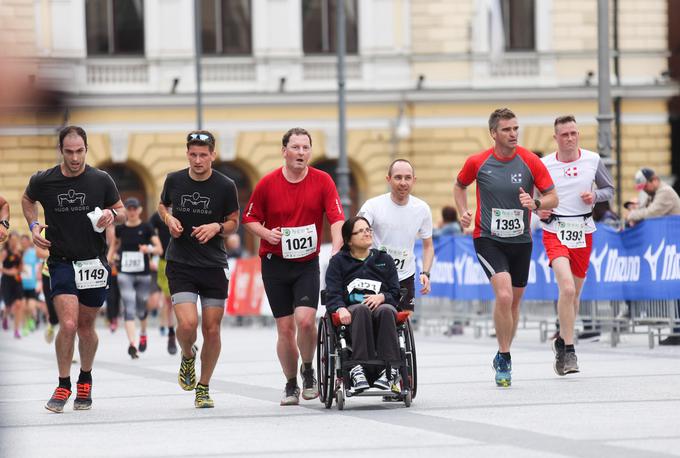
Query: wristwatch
[(221, 228), (113, 212), (427, 274), (537, 202), (5, 223)]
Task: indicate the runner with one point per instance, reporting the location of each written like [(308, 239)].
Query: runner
[(31, 265), (10, 284), (135, 241), (568, 229), (398, 219), (506, 175), (286, 211), (4, 219), (166, 313), (205, 210), (79, 202)]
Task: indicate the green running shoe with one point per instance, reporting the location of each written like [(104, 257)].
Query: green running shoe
[(187, 371)]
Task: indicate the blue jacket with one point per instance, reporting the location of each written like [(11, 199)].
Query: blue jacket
[(343, 269)]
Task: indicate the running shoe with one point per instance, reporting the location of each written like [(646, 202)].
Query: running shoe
[(203, 400), (83, 400), (163, 331), (503, 370), (382, 381), (558, 350), (310, 388), (5, 323), (132, 351), (172, 344), (17, 334), (570, 363), (58, 400), (187, 371), (142, 344), (291, 394), (49, 334), (359, 382)]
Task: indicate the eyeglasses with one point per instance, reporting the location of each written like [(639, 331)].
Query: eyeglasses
[(201, 137), (363, 230)]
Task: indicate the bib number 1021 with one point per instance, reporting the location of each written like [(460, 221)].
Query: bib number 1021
[(299, 243)]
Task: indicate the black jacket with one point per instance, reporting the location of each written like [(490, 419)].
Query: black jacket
[(343, 268)]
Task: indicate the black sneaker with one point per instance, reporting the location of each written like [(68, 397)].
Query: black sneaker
[(142, 344), (557, 345), (291, 394), (132, 351), (58, 400), (359, 382), (83, 399), (570, 365), (310, 388), (172, 344), (187, 371)]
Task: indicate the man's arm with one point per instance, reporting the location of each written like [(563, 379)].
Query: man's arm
[(256, 228), (659, 206), (460, 197), (336, 236), (121, 213), (428, 259), (30, 210)]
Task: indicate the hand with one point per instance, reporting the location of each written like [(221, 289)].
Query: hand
[(146, 249), (588, 197), (205, 232), (543, 214), (466, 219), (373, 300), (39, 240), (274, 236), (345, 316), (174, 226), (106, 219), (425, 281), (526, 200)]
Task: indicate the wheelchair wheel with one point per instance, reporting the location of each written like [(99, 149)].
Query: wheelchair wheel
[(325, 364), (340, 397), (407, 399), (411, 360)]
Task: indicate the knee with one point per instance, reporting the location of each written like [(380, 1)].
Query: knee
[(307, 323), (568, 291), (68, 326), (361, 310), (504, 298), (187, 325), (211, 333), (386, 311)]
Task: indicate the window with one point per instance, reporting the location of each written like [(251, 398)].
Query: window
[(114, 27), (519, 25), (226, 26), (318, 26)]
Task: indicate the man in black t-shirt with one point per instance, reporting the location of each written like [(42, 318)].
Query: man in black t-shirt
[(205, 210), (79, 202)]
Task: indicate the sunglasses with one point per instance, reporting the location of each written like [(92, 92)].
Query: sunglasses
[(201, 137)]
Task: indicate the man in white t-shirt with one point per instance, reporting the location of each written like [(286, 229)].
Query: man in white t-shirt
[(568, 228), (398, 219)]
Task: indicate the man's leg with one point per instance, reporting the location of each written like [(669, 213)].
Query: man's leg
[(502, 313), (87, 336), (517, 294), (305, 322), (286, 347), (212, 343), (67, 308), (187, 325), (567, 305)]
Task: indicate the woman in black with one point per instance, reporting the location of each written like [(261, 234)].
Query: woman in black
[(362, 285), (12, 289)]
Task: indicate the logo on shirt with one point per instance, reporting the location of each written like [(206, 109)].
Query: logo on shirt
[(195, 200), (71, 201), (516, 178), (571, 171)]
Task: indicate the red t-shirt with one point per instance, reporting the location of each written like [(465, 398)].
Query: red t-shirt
[(498, 183), (296, 208)]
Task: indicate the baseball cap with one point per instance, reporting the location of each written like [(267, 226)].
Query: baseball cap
[(642, 176), (132, 202)]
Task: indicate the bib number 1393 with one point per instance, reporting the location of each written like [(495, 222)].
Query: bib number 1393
[(507, 222), (90, 273), (571, 234)]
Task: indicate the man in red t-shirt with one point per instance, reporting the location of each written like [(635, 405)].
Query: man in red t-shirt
[(286, 211), (506, 175)]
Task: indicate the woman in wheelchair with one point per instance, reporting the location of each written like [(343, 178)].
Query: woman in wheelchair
[(362, 286)]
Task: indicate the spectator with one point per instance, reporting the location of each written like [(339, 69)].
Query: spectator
[(449, 224), (603, 213)]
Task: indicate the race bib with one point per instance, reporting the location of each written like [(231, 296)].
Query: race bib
[(90, 273), (132, 262), (572, 234), (359, 284), (298, 242), (507, 222), (401, 257)]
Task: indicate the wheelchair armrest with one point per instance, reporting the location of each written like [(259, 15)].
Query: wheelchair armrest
[(335, 318), (322, 293), (402, 317)]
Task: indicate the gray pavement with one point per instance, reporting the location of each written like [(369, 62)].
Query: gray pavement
[(624, 403)]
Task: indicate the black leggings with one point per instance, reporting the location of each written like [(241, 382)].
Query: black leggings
[(51, 311)]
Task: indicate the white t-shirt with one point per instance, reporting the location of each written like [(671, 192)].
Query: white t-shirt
[(396, 228), (573, 178)]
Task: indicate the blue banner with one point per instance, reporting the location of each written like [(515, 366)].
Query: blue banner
[(640, 263)]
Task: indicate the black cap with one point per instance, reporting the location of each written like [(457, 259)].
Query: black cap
[(132, 202)]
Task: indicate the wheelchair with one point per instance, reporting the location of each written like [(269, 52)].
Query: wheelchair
[(333, 363)]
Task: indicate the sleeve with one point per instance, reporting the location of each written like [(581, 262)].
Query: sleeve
[(366, 211), (468, 173), (231, 202), (334, 287), (334, 211), (111, 195), (150, 232), (119, 230), (32, 187), (425, 231), (542, 179), (166, 198), (390, 284), (255, 210), (154, 222), (660, 206), (604, 182)]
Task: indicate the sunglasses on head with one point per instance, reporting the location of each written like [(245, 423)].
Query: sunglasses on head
[(200, 137)]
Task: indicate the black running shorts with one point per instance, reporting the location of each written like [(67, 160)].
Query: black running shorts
[(290, 284), (514, 258), (188, 283)]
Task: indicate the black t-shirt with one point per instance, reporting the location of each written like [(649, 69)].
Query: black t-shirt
[(130, 256), (162, 231), (66, 202), (195, 203)]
